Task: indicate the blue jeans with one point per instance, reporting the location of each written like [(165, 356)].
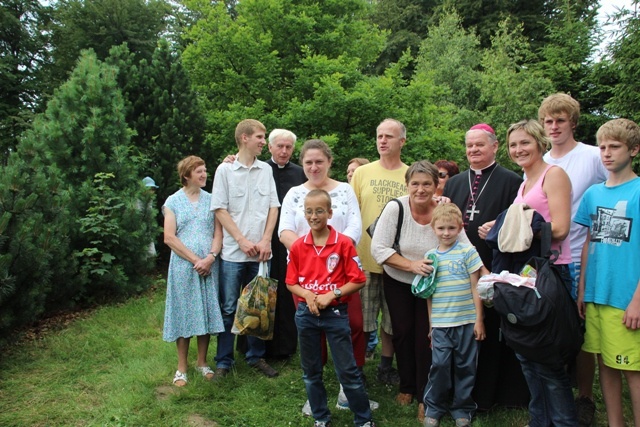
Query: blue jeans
[(233, 277), (452, 347), (334, 322), (373, 339), (551, 401), (574, 270)]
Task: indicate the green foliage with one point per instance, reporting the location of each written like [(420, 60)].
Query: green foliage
[(451, 57), (625, 66), (275, 60), (511, 89), (34, 235), (101, 228), (23, 53), (567, 60), (102, 24), (47, 188), (164, 112), (406, 23)]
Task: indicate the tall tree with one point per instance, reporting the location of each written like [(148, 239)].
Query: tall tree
[(511, 88), (83, 133), (272, 55), (102, 24), (23, 55), (35, 255), (163, 110), (625, 66), (451, 57), (406, 22)]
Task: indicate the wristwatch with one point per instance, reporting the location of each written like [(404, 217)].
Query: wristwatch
[(338, 293), (213, 253)]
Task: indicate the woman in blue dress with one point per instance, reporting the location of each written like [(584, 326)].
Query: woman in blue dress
[(195, 238)]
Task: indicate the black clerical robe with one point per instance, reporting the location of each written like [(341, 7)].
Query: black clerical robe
[(500, 191), (499, 379), (285, 334)]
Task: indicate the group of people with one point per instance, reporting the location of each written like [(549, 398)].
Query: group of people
[(343, 281)]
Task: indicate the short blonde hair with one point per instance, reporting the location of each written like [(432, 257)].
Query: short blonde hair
[(621, 130), (247, 127), (188, 165), (446, 212), (533, 129), (558, 103)]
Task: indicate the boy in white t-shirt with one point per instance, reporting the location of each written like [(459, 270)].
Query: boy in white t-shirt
[(559, 114)]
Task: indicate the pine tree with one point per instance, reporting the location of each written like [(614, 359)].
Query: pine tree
[(23, 55), (163, 110), (35, 254), (82, 134)]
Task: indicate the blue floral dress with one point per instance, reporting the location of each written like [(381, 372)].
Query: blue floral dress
[(192, 306)]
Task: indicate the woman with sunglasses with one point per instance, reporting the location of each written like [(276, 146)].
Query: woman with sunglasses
[(316, 159), (446, 169)]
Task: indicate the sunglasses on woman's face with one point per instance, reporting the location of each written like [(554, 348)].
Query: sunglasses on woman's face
[(443, 174)]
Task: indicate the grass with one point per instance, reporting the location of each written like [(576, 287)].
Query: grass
[(113, 369)]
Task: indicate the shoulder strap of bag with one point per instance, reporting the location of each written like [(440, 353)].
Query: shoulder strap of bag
[(396, 240)]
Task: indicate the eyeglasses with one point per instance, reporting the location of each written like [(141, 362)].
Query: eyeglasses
[(318, 212), (443, 174)]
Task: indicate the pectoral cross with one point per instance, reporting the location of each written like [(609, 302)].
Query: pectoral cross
[(472, 212)]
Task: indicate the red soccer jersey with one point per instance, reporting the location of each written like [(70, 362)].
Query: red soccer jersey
[(324, 269)]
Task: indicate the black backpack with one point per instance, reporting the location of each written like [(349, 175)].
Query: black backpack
[(541, 324)]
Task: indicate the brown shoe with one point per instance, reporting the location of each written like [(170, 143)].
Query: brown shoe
[(421, 412), (262, 366), (404, 399), (220, 373)]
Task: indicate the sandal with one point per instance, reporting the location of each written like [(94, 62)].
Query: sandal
[(206, 372), (180, 376)]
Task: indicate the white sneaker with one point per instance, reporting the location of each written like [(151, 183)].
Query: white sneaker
[(343, 403), (306, 409)]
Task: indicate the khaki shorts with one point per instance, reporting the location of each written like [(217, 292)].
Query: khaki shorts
[(608, 336), (373, 301)]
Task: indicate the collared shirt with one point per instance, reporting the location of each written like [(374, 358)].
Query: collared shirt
[(323, 269), (247, 193)]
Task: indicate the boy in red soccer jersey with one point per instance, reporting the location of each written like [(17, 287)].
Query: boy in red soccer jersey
[(323, 270)]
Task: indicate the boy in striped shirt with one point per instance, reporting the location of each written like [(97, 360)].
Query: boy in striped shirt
[(455, 316)]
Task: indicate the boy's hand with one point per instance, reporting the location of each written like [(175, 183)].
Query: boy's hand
[(324, 300), (631, 318), (310, 298), (478, 330)]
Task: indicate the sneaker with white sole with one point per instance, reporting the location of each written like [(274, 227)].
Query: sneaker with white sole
[(343, 403), (306, 409)]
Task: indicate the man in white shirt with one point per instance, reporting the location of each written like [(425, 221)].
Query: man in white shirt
[(245, 201), (559, 114)]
